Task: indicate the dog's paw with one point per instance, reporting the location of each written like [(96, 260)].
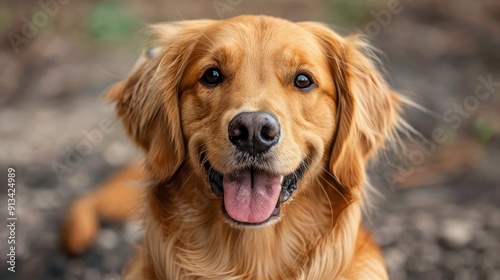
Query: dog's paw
[(80, 227)]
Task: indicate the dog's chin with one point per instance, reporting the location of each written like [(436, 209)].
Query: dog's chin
[(251, 196)]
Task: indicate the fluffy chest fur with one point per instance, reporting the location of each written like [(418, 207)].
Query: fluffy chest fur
[(184, 241)]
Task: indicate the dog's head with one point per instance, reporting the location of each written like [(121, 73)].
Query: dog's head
[(255, 105)]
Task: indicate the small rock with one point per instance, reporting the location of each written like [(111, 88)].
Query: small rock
[(118, 153), (45, 199), (425, 223), (456, 233), (108, 239), (134, 231), (394, 258)]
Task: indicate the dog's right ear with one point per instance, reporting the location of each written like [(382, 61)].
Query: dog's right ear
[(147, 101)]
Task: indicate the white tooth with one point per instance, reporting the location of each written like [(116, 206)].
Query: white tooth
[(281, 180)]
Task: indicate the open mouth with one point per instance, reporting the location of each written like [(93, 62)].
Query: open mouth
[(252, 196)]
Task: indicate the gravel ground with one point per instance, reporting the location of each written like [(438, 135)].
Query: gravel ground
[(442, 221), (434, 237)]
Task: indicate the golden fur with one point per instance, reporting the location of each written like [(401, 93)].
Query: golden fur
[(337, 126)]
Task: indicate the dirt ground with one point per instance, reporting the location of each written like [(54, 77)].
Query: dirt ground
[(439, 214)]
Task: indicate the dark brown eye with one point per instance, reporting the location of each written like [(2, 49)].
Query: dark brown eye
[(302, 81), (212, 77)]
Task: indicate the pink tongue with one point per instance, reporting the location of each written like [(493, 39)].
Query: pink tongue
[(249, 203)]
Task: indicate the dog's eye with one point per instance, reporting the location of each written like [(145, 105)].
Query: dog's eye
[(302, 81), (212, 77)]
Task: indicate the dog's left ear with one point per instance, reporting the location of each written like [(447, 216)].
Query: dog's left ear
[(147, 101), (367, 108)]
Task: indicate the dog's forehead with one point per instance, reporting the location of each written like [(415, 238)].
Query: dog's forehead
[(262, 36)]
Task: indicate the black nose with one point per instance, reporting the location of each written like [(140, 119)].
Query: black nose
[(254, 132)]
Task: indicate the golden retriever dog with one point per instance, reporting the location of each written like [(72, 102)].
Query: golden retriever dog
[(256, 133)]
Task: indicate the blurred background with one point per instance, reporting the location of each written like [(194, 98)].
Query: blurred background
[(439, 217)]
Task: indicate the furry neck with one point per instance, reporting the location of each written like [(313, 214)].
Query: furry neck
[(186, 234)]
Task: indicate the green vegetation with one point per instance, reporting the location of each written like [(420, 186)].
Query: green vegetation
[(483, 129), (350, 13), (110, 22)]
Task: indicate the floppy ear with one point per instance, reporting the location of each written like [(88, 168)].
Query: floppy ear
[(367, 108), (147, 101)]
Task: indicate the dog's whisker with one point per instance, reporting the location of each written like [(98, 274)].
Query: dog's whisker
[(332, 221), (329, 184), (330, 174)]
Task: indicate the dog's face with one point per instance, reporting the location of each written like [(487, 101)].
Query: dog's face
[(254, 104), (257, 109)]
